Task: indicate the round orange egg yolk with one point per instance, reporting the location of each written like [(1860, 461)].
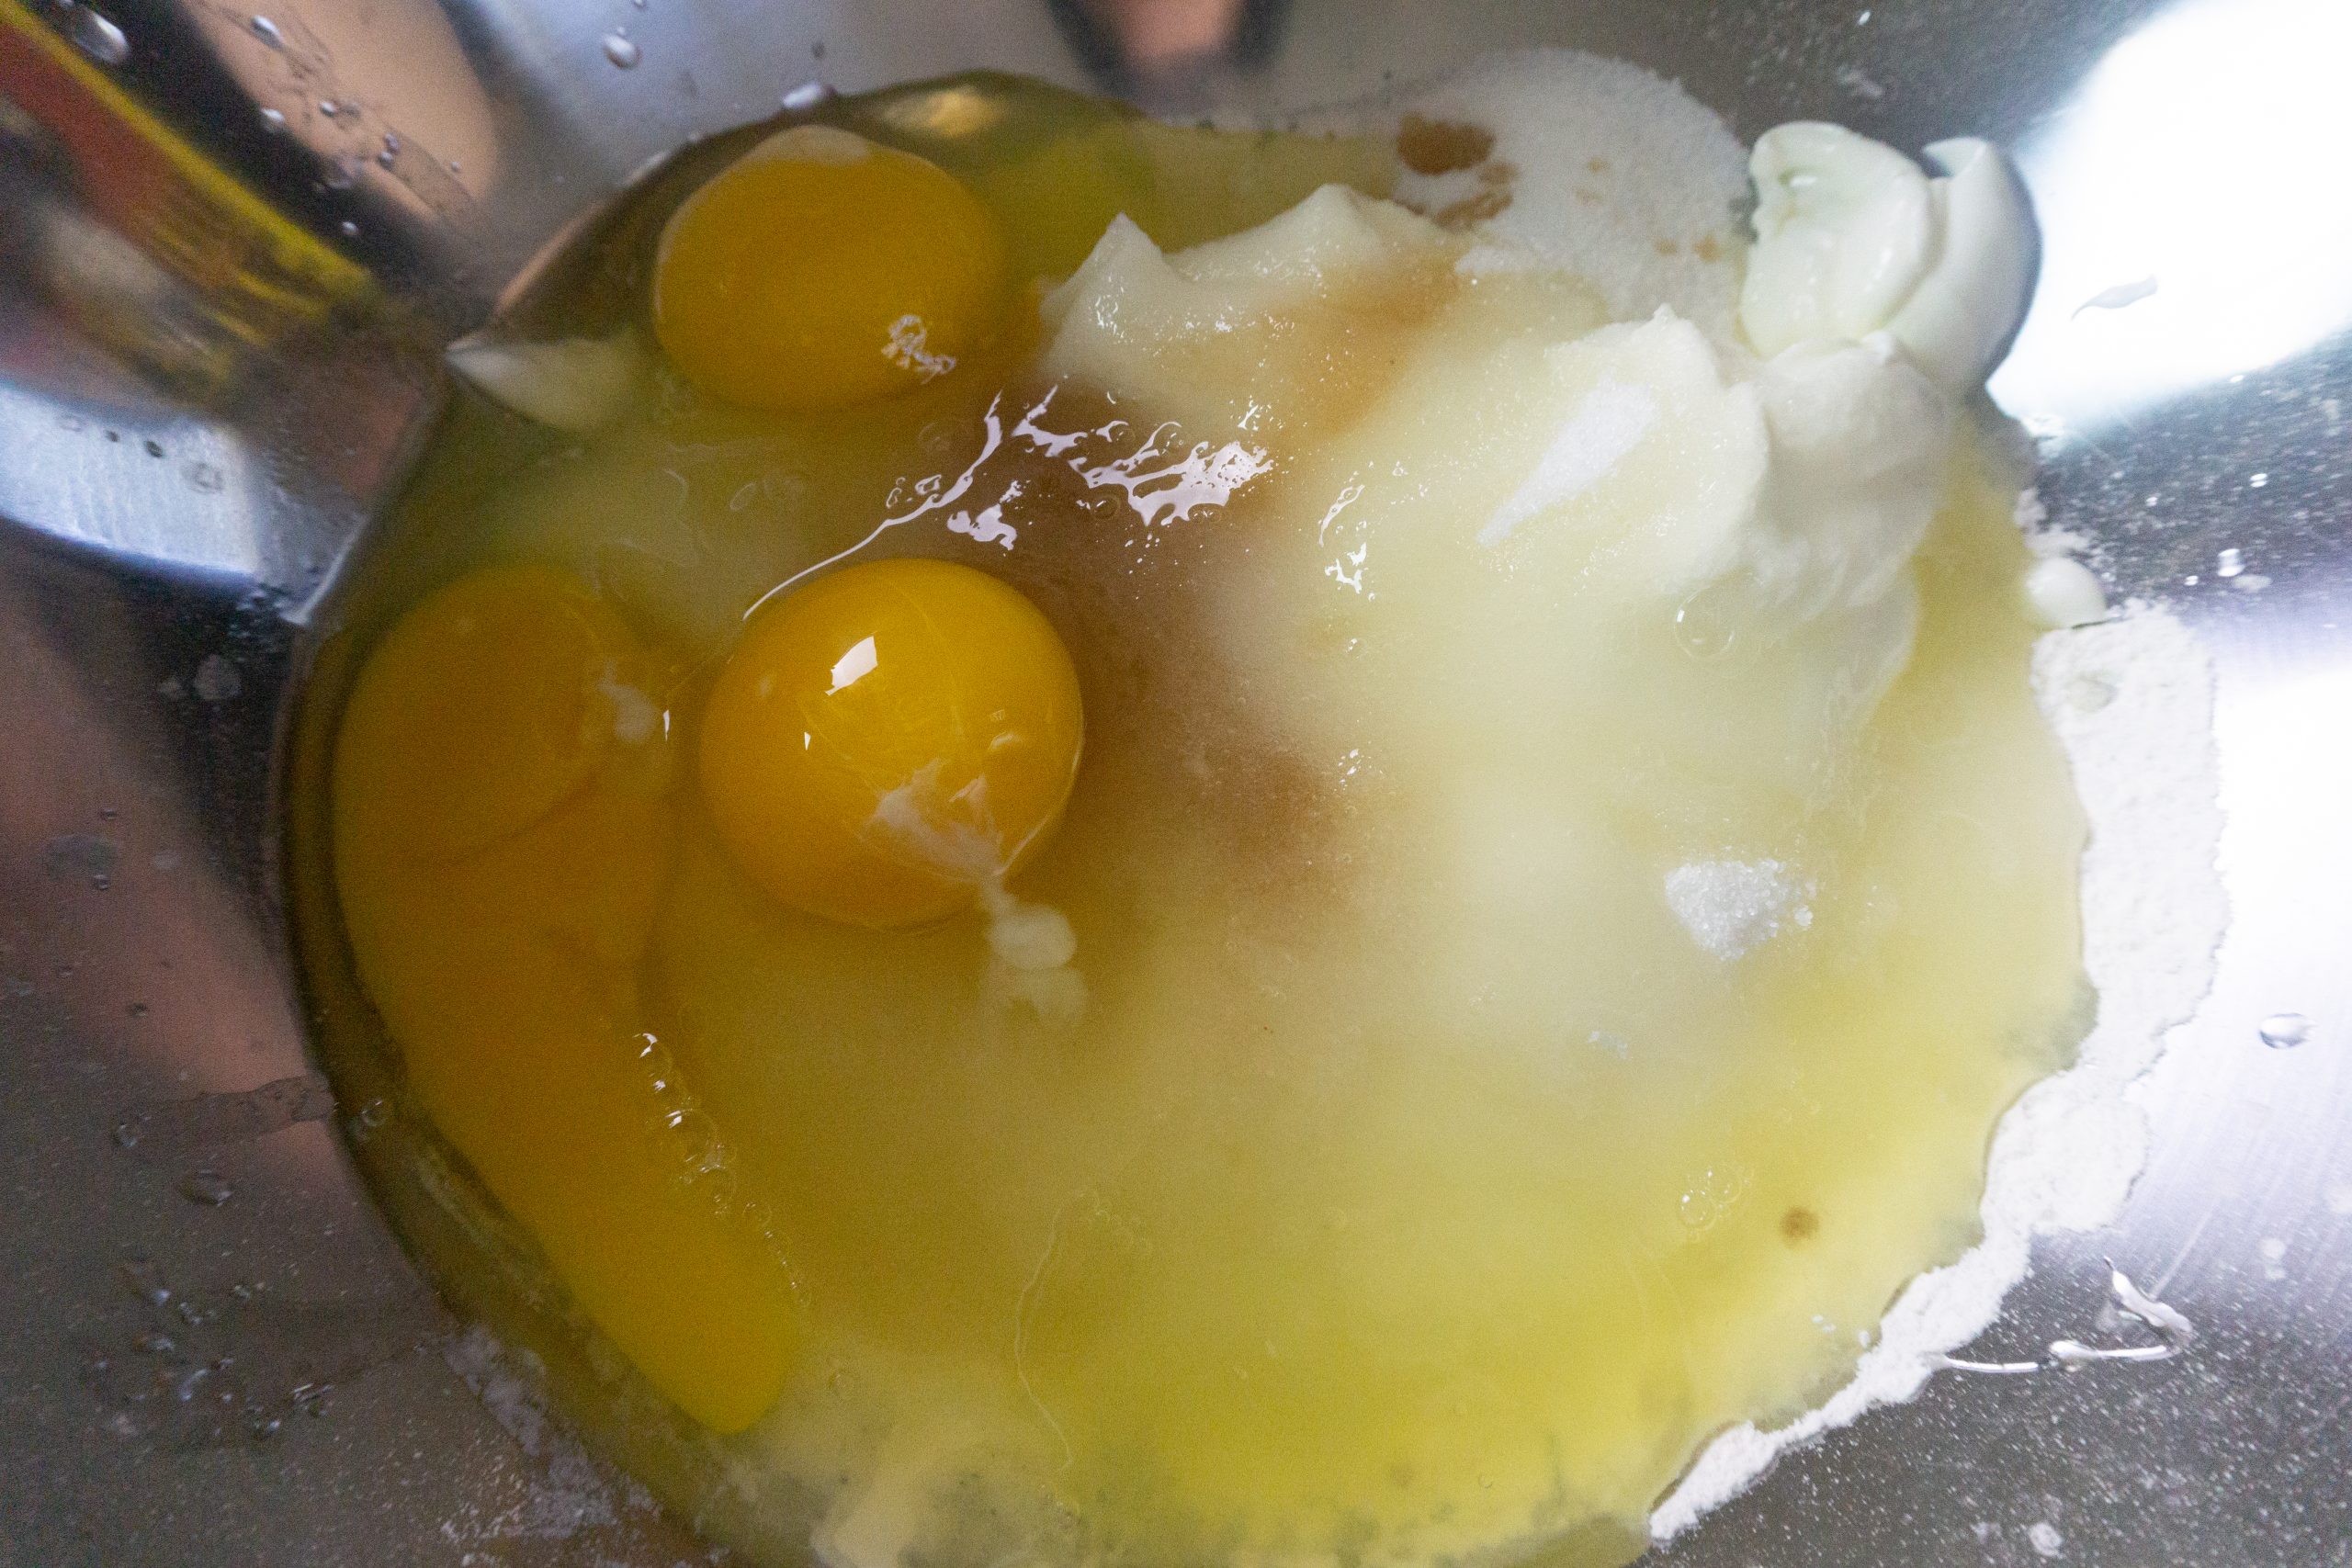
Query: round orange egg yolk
[(889, 739), (823, 270)]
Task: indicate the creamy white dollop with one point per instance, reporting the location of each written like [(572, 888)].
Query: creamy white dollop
[(575, 384), (1853, 238)]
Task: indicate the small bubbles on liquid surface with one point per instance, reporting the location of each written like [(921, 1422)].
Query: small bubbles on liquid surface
[(273, 121), (2285, 1031), (1702, 630), (348, 229), (99, 38), (807, 96), (696, 1139), (622, 51), (655, 1058), (1714, 1195), (267, 30)]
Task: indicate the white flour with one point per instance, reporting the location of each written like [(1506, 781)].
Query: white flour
[(2131, 701)]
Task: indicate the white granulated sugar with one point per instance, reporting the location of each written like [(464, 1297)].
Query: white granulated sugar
[(1732, 907), (1617, 175), (2154, 912)]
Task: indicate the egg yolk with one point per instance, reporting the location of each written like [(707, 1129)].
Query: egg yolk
[(890, 739), (823, 270), (502, 838)]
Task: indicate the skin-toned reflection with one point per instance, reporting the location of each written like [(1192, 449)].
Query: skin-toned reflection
[(410, 119)]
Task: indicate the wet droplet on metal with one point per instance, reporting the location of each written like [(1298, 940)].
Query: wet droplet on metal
[(209, 1188), (99, 38), (216, 679)]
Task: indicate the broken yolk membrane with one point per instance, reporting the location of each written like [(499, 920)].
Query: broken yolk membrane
[(1510, 967), (501, 836)]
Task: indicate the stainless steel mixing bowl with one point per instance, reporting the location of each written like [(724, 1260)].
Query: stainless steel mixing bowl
[(231, 246)]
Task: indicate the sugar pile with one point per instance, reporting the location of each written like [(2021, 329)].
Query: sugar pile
[(1731, 907), (1598, 168), (2130, 700)]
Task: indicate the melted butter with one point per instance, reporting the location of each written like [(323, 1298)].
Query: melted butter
[(1412, 1182)]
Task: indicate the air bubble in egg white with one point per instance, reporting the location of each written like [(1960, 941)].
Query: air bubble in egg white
[(622, 51)]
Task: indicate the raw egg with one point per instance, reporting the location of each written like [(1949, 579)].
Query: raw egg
[(502, 838), (823, 270), (889, 740)]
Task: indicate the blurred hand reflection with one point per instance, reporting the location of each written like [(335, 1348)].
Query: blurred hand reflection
[(1132, 43)]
